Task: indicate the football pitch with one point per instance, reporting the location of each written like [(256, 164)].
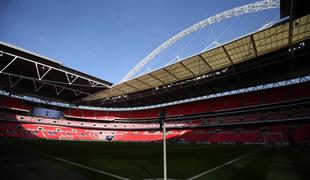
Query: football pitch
[(54, 160)]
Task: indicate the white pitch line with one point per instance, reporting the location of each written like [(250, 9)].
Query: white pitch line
[(76, 164), (222, 165)]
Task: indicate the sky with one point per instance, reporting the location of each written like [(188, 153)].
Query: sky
[(107, 38)]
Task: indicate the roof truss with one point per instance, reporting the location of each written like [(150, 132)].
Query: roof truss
[(42, 70)]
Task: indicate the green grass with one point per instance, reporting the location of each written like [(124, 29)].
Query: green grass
[(127, 160)]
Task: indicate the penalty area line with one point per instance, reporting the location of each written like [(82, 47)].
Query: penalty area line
[(75, 164), (222, 165)]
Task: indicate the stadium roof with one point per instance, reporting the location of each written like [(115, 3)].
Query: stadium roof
[(28, 73), (240, 50)]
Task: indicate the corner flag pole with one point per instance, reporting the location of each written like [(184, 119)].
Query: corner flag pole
[(162, 126), (165, 156)]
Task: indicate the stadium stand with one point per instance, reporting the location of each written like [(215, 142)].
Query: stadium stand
[(232, 102), (87, 124), (13, 104), (270, 134)]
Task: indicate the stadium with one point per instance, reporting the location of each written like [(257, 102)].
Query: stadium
[(237, 110)]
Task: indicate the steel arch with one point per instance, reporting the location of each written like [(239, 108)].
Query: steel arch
[(249, 8)]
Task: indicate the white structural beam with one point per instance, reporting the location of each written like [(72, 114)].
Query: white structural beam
[(37, 87), (58, 90), (8, 64), (71, 78), (44, 73), (249, 8), (12, 83)]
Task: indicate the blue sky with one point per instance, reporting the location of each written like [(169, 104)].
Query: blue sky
[(106, 38)]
